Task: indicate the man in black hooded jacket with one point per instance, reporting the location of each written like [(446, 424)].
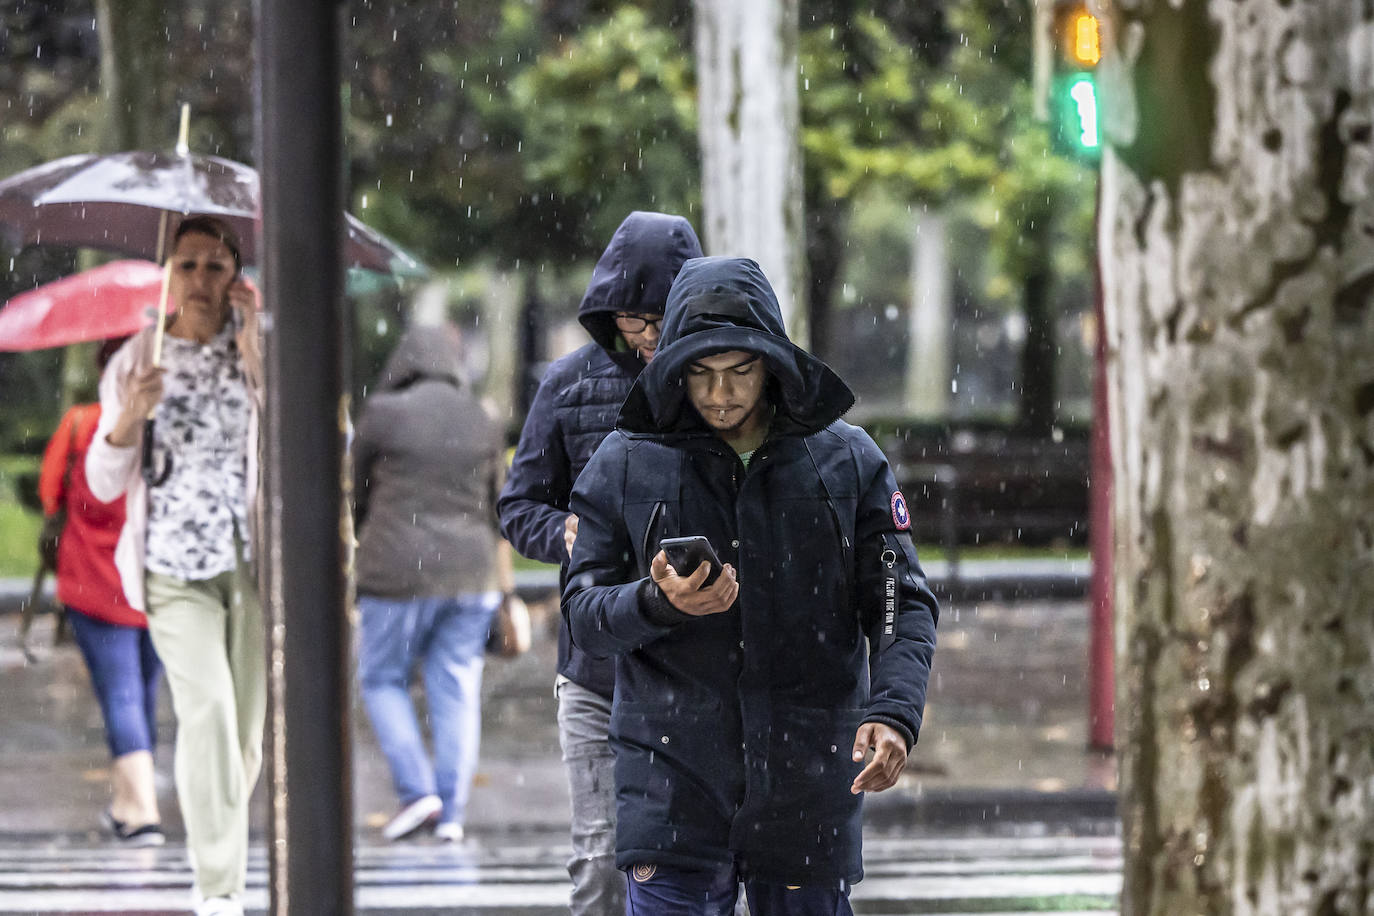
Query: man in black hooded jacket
[(572, 412), (744, 709)]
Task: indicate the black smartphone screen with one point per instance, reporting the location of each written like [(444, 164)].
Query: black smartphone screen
[(686, 554)]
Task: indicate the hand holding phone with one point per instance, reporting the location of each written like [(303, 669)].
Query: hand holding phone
[(676, 568), (686, 554)]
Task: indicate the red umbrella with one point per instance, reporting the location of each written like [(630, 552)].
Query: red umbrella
[(113, 300)]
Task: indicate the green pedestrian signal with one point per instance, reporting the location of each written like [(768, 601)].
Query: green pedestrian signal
[(1075, 113), (1083, 93)]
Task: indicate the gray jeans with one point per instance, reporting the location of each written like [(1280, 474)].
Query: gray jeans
[(584, 719)]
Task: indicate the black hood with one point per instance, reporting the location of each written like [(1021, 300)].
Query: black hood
[(635, 272), (720, 304), (431, 352)]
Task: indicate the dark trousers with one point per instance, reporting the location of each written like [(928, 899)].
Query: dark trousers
[(125, 672), (662, 890)]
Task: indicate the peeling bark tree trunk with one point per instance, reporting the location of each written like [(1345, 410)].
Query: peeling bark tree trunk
[(749, 116), (1238, 269)]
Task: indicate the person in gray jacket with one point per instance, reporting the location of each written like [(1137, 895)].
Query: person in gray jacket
[(432, 570)]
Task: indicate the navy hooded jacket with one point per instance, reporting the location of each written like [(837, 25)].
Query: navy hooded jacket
[(578, 400), (733, 732)]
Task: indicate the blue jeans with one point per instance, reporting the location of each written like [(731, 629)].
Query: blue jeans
[(663, 890), (125, 672), (447, 637)]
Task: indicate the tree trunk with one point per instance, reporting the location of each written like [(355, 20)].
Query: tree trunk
[(1039, 363), (931, 320), (133, 69), (825, 234), (531, 335), (502, 319), (748, 111), (1238, 271)]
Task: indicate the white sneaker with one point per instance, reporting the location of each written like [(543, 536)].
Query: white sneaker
[(220, 906), (449, 832), (413, 816)]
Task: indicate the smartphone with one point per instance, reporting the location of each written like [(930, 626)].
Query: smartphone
[(686, 554)]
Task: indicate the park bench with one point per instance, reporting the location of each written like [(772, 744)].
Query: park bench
[(976, 485)]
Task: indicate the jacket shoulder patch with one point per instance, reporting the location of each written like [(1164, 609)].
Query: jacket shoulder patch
[(901, 515)]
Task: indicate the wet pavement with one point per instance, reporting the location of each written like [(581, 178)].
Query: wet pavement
[(1002, 758), (522, 875)]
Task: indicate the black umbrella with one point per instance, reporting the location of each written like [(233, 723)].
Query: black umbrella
[(115, 203)]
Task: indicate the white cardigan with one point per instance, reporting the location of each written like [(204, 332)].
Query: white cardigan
[(112, 471)]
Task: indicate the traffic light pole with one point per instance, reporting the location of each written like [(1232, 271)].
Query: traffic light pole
[(301, 160), (1101, 650)]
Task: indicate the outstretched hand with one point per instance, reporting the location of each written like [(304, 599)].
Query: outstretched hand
[(140, 398), (685, 592), (889, 757)]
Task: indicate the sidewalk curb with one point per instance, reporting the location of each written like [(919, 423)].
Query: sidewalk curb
[(973, 580)]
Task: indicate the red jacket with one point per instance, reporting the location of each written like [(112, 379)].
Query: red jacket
[(87, 580)]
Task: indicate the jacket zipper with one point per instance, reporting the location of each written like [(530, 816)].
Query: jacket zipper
[(649, 535), (846, 551)]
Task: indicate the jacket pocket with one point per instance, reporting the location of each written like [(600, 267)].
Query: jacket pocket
[(809, 816), (673, 764), (809, 753)]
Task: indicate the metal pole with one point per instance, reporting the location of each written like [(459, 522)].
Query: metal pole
[(1101, 660), (300, 157)]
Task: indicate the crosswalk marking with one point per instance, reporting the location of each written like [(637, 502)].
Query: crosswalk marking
[(525, 875)]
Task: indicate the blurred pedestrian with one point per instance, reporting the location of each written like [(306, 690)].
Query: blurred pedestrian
[(574, 409), (744, 708), (185, 552), (112, 635), (428, 465)]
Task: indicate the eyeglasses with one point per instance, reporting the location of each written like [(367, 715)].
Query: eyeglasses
[(636, 323)]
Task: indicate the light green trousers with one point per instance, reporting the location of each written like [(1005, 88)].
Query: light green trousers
[(210, 637)]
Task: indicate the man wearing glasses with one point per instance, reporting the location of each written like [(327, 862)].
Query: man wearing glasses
[(575, 408)]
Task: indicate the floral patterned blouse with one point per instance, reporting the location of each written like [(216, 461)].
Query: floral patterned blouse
[(200, 431)]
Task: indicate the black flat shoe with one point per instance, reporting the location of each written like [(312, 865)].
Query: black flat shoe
[(146, 835)]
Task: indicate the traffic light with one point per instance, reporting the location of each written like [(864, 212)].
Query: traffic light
[(1074, 112)]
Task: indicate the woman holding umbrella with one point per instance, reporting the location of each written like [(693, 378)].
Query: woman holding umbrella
[(184, 555)]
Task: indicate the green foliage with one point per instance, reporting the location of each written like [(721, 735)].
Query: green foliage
[(899, 122), (19, 521), (1038, 212), (878, 113), (1038, 205), (426, 167), (49, 105), (490, 137), (609, 116)]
